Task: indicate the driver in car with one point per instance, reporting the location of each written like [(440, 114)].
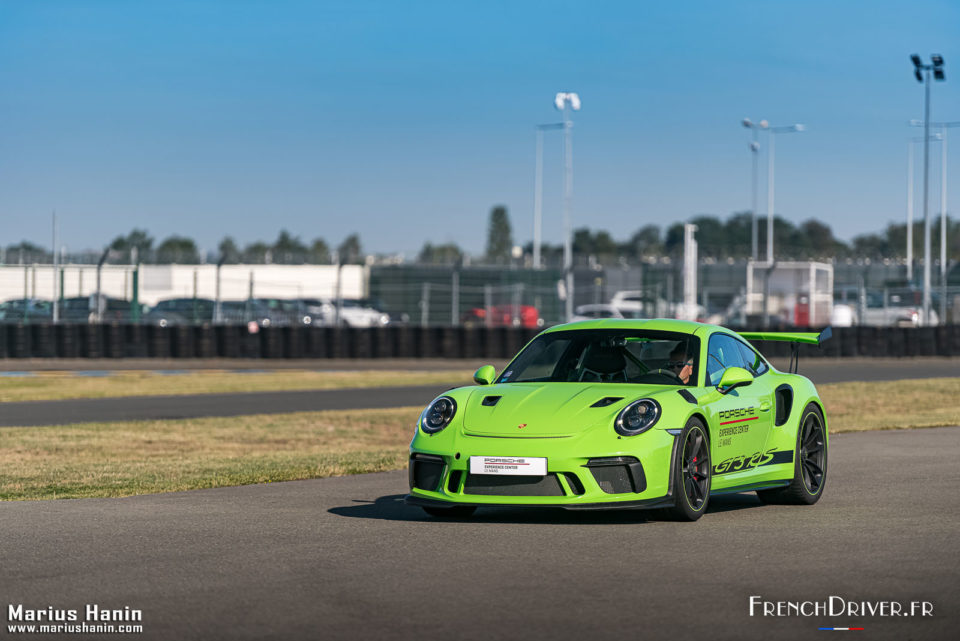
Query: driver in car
[(681, 363)]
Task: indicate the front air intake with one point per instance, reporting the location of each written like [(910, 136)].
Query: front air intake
[(508, 485), (618, 474), (426, 472)]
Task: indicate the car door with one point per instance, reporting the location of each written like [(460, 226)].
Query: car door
[(763, 385), (740, 420)]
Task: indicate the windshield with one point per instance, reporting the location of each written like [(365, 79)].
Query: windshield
[(607, 356)]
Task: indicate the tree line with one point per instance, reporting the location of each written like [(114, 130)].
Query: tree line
[(139, 246), (717, 238)]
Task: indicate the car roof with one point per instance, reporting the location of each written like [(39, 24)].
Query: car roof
[(656, 324)]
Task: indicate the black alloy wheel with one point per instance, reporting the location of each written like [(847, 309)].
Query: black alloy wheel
[(812, 453), (691, 474), (810, 463), (696, 469)]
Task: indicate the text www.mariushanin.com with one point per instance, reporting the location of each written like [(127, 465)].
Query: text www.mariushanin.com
[(73, 628)]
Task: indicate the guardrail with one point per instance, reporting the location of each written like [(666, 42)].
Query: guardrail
[(236, 341)]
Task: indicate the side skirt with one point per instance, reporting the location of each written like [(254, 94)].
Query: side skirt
[(749, 487)]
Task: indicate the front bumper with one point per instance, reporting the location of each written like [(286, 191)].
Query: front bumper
[(582, 472)]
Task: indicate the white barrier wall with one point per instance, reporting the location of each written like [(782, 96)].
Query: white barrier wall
[(158, 282)]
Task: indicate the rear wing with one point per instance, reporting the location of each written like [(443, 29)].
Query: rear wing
[(795, 338)]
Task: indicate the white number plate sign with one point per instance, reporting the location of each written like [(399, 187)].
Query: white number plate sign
[(513, 465)]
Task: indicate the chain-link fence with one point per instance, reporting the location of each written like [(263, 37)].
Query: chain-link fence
[(867, 293), (175, 294)]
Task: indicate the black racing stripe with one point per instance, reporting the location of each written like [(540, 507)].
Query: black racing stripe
[(783, 456), (740, 465)]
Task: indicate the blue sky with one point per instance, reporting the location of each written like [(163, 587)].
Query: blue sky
[(407, 121)]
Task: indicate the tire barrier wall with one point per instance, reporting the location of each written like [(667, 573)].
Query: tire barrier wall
[(403, 341)]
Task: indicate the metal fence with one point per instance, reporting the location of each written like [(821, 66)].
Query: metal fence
[(487, 296)]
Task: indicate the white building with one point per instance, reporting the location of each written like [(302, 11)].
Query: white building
[(157, 282)]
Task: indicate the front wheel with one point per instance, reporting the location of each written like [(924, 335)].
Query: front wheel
[(810, 469), (692, 473), (454, 512)]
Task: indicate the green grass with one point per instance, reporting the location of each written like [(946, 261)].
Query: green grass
[(890, 405), (141, 457), (63, 385)]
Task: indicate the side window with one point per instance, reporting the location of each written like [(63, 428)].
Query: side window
[(722, 352), (754, 363)]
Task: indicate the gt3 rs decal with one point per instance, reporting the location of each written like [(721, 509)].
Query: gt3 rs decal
[(738, 415), (757, 459)]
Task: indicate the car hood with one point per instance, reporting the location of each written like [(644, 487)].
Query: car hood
[(538, 410)]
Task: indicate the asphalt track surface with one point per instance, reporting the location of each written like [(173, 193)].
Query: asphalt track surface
[(86, 410), (32, 413), (344, 558), (258, 364)]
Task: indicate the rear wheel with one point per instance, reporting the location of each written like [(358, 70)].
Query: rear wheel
[(810, 467), (454, 512), (692, 473)]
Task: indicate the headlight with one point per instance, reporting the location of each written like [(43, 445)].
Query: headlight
[(637, 417), (438, 415)]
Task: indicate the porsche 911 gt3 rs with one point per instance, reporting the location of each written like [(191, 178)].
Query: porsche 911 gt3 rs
[(624, 414)]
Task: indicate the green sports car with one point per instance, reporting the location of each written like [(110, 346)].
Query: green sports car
[(624, 414)]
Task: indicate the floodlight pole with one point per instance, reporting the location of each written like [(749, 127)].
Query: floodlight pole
[(943, 216), (567, 198), (565, 102), (926, 195), (56, 270), (538, 201), (923, 72), (538, 194), (771, 154), (755, 149), (942, 137), (754, 231), (943, 225), (910, 212), (770, 182)]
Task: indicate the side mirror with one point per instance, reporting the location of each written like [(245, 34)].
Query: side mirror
[(734, 377), (484, 375)]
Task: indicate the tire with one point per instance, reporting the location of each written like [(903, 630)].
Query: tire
[(692, 473), (809, 455), (455, 512)]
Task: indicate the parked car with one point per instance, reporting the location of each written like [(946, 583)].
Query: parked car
[(503, 316), (898, 308), (235, 312), (353, 312), (591, 312), (283, 312), (635, 303), (843, 315), (83, 309), (180, 311), (20, 310)]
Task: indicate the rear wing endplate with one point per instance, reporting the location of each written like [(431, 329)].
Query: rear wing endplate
[(795, 338)]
